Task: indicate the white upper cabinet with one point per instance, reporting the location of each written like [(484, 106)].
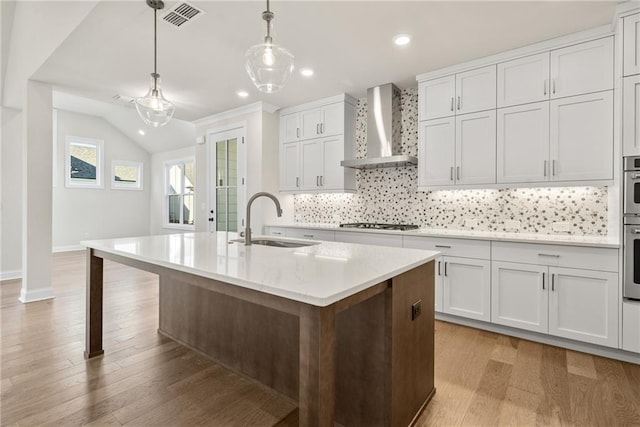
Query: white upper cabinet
[(437, 98), (523, 143), (290, 127), (310, 123), (290, 166), (310, 164), (581, 137), (436, 152), (476, 90), (631, 116), (332, 120), (523, 80), (631, 45), (333, 174), (582, 68), (476, 148)]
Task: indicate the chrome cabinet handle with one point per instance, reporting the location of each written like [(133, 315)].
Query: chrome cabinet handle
[(297, 132), (451, 174), (439, 267), (543, 276), (297, 181), (458, 173), (545, 85), (549, 255), (452, 103), (317, 128), (318, 181), (554, 86), (276, 232), (322, 128), (443, 246), (545, 168), (307, 235), (458, 103), (445, 269), (553, 168), (553, 282), (322, 180)]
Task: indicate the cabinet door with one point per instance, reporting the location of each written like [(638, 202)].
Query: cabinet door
[(436, 152), (476, 90), (332, 177), (519, 295), (631, 45), (289, 167), (437, 98), (310, 123), (467, 288), (290, 125), (581, 139), (439, 279), (583, 305), (523, 80), (332, 119), (582, 68), (631, 116), (476, 148), (523, 143), (310, 164)]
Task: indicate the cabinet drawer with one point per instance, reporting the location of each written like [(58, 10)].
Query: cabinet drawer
[(604, 259), (275, 231), (305, 233), (369, 238), (452, 247)]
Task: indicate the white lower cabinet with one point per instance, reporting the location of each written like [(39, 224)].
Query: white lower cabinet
[(466, 285), (379, 239), (438, 282), (631, 326)]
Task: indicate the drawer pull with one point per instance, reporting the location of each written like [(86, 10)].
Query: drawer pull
[(543, 276), (549, 255), (443, 246), (307, 235), (277, 233)]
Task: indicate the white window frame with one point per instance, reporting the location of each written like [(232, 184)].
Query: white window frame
[(120, 185), (165, 221), (99, 145)]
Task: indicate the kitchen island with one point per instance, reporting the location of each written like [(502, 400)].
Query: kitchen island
[(346, 330)]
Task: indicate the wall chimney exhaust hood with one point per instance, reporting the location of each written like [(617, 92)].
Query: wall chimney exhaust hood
[(383, 131)]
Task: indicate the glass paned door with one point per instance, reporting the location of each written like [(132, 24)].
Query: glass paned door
[(226, 185)]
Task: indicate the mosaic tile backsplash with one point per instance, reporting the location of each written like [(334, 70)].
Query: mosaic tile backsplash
[(390, 195)]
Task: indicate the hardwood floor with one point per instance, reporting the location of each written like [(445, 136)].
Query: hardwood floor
[(482, 378)]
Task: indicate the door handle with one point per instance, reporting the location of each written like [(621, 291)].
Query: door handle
[(543, 275), (553, 282), (317, 181), (452, 103), (458, 173), (553, 168), (445, 269), (297, 181), (554, 86), (451, 174), (443, 246), (317, 128), (322, 128), (458, 103), (297, 132), (545, 85), (439, 267), (308, 235), (545, 168)]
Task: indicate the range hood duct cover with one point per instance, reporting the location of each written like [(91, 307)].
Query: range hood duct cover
[(384, 123)]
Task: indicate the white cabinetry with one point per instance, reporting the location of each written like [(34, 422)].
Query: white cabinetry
[(379, 239), (523, 143), (463, 93), (631, 45), (314, 139), (581, 137), (631, 326), (523, 80), (631, 116), (462, 275), (458, 150), (582, 68), (566, 292)]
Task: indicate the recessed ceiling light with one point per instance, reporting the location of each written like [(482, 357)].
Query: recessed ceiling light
[(307, 72), (242, 93), (140, 131), (402, 39)]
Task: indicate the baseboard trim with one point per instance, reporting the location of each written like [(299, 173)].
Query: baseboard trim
[(70, 248), (10, 275), (37, 295), (611, 353)]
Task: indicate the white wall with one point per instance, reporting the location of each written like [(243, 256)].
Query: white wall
[(82, 214), (11, 195), (157, 188)]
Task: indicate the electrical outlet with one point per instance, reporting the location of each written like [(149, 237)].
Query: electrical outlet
[(471, 222), (416, 309), (512, 224), (561, 226)]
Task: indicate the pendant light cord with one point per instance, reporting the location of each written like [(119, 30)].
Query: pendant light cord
[(268, 16), (155, 49)]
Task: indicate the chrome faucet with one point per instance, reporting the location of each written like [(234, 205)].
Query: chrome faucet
[(247, 230)]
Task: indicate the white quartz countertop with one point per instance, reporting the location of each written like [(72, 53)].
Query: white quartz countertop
[(319, 275), (554, 239)]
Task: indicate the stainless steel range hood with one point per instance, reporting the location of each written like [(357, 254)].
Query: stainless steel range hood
[(383, 131)]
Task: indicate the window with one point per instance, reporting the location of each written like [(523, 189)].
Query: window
[(179, 193), (83, 162), (126, 175)]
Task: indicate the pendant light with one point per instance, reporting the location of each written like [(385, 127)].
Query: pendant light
[(268, 65), (153, 108)]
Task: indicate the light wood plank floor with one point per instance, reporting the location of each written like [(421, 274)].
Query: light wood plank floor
[(482, 378)]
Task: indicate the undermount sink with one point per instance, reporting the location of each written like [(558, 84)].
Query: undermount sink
[(277, 243)]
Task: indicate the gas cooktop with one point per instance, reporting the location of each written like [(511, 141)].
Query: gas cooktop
[(376, 226)]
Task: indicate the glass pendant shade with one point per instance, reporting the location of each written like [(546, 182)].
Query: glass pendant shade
[(269, 66), (153, 108)]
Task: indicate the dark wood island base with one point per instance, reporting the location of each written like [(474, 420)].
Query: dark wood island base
[(360, 361)]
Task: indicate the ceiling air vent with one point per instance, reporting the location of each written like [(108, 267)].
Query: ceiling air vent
[(181, 14)]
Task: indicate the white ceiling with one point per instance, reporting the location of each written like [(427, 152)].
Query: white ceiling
[(347, 43)]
